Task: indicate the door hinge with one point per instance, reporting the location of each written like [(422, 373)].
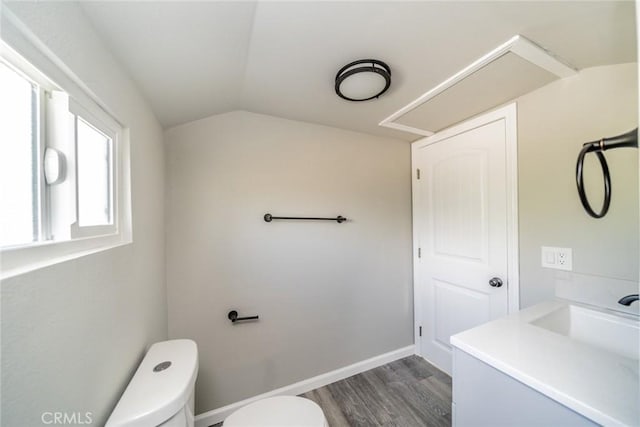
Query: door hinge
[(419, 331), (419, 252), (417, 173)]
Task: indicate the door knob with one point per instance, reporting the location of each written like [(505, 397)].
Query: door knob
[(496, 282)]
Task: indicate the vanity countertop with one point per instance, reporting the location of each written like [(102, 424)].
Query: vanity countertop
[(596, 383)]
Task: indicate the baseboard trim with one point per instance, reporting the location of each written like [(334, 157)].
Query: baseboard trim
[(217, 415)]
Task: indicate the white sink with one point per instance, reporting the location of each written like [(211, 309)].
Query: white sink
[(617, 334)]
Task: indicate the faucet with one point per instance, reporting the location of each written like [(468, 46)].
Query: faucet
[(628, 299)]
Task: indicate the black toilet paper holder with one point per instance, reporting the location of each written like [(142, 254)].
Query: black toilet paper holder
[(233, 316)]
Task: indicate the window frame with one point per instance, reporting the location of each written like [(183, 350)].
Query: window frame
[(25, 70), (110, 129), (43, 69)]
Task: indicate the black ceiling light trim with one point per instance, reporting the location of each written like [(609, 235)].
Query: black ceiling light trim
[(373, 66)]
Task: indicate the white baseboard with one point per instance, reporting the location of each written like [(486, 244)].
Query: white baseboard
[(217, 415)]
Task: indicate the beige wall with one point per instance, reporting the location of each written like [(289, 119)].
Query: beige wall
[(73, 333), (328, 294), (553, 123)]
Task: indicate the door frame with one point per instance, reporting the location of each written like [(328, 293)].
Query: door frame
[(509, 114)]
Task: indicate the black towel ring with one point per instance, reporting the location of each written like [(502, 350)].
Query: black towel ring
[(629, 139), (607, 183)]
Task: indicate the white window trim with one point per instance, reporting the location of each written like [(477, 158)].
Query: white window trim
[(112, 129), (22, 259)]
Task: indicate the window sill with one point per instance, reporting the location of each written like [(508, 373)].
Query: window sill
[(24, 259)]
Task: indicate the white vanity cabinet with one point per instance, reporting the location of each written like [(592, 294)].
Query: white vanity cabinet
[(548, 365), (485, 396)]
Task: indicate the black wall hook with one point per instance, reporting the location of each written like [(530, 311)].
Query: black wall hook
[(233, 316)]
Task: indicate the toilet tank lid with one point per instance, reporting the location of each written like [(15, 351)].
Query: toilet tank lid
[(158, 390)]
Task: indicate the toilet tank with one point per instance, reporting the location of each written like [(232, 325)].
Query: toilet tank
[(161, 391)]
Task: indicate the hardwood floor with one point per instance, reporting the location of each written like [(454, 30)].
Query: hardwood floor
[(409, 392)]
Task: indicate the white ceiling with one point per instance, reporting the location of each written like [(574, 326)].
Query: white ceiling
[(195, 59)]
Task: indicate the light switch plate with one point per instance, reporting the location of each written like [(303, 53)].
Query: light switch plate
[(558, 258)]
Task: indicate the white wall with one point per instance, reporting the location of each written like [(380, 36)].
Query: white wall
[(553, 123), (73, 333), (328, 294)]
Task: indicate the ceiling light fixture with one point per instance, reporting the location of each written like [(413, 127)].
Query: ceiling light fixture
[(363, 80)]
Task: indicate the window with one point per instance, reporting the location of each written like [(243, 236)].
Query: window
[(19, 223), (94, 143), (62, 181), (93, 150)]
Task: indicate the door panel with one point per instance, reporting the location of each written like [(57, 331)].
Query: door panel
[(458, 206), (461, 220), (448, 298)]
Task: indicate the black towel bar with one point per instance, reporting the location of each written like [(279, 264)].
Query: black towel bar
[(340, 219)]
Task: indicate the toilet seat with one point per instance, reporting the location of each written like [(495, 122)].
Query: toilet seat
[(279, 411)]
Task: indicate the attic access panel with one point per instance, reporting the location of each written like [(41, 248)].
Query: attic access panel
[(511, 70)]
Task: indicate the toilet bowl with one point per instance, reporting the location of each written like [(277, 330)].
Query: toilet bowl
[(279, 411)]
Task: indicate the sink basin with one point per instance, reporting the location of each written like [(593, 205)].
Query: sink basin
[(617, 334)]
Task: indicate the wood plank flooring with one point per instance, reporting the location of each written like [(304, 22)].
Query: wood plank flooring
[(409, 392), (406, 393)]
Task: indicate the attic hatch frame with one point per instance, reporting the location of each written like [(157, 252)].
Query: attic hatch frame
[(518, 45)]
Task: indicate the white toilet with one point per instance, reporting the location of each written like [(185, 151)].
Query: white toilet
[(161, 391), (161, 394)]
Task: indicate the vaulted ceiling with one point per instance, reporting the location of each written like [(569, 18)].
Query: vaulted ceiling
[(195, 59)]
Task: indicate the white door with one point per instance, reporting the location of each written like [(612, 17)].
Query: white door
[(461, 219)]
